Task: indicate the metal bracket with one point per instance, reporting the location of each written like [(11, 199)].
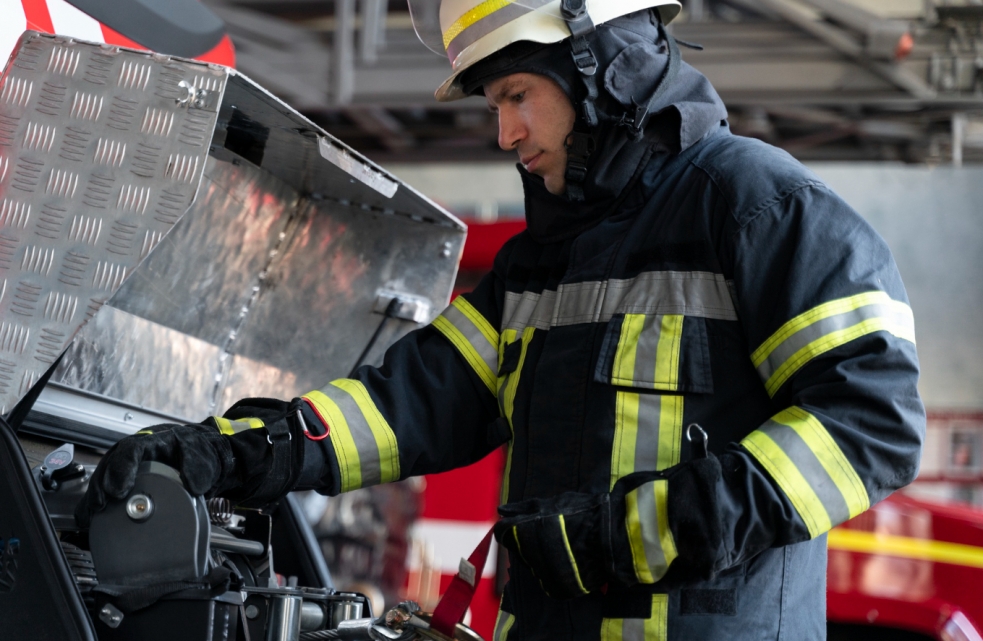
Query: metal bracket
[(412, 308)]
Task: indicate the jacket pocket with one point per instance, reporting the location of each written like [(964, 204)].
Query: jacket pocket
[(654, 627), (662, 352)]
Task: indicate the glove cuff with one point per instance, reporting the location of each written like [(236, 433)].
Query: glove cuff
[(694, 517), (666, 518)]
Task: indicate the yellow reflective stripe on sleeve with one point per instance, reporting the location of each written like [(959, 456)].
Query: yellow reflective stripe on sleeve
[(474, 338), (365, 445), (503, 623), (801, 456), (342, 440), (649, 538), (827, 327), (573, 561), (385, 439), (790, 480), (654, 628), (667, 353), (648, 430), (830, 456)]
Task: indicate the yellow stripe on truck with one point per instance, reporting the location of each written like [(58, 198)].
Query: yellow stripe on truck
[(905, 547)]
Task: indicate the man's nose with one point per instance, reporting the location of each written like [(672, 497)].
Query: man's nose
[(510, 130)]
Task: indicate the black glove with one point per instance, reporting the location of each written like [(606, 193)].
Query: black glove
[(197, 452), (253, 455), (576, 543)]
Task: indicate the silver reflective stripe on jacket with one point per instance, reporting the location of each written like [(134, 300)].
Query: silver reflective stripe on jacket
[(701, 294)]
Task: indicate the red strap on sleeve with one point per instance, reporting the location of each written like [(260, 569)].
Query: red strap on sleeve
[(455, 602)]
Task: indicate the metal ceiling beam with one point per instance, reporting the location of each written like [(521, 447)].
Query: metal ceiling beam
[(843, 43)]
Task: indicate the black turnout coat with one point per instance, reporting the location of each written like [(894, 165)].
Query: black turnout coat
[(729, 288)]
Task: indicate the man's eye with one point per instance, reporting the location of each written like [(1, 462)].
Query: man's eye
[(519, 96)]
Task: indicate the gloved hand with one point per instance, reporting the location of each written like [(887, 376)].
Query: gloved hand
[(253, 455), (575, 543), (194, 450)]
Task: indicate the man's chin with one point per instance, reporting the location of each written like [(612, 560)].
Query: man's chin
[(556, 185)]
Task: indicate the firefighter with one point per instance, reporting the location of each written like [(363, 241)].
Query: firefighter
[(700, 357)]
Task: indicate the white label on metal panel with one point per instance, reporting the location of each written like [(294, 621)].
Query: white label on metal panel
[(357, 168)]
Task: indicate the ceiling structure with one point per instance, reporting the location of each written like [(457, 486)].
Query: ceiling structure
[(824, 79)]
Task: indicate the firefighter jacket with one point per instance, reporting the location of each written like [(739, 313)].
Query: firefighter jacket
[(731, 288)]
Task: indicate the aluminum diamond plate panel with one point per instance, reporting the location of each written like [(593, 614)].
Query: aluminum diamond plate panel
[(101, 152)]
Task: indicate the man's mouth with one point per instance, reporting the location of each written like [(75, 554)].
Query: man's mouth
[(530, 162)]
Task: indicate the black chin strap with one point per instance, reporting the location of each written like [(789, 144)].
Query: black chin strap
[(580, 142)]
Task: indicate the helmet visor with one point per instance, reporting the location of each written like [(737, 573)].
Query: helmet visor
[(426, 23)]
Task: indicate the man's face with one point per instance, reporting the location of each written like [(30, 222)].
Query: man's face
[(534, 118)]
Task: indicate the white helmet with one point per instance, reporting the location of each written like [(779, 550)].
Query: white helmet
[(469, 31)]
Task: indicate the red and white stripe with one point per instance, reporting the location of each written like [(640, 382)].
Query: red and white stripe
[(60, 17)]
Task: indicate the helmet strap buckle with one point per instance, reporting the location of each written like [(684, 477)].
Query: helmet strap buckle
[(579, 145)]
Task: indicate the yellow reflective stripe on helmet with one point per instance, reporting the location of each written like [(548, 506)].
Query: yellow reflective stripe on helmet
[(364, 444), (654, 628), (230, 427), (472, 16), (473, 336), (503, 623), (826, 327), (648, 431), (810, 468), (649, 537), (573, 561)]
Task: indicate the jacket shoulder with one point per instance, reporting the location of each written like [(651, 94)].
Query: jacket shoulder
[(751, 175)]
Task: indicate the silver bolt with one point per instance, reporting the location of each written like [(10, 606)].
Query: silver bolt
[(128, 416), (252, 612), (140, 507), (446, 251)]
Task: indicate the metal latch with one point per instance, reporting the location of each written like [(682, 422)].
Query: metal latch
[(409, 307)]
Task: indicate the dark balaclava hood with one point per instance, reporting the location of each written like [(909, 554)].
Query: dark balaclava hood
[(632, 57)]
